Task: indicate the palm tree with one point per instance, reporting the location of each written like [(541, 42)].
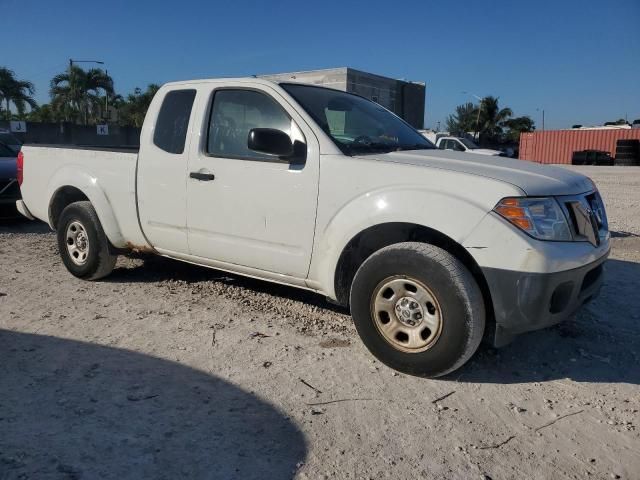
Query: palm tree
[(492, 119), (76, 92), (18, 92)]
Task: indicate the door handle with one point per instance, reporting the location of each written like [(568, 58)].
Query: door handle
[(204, 177)]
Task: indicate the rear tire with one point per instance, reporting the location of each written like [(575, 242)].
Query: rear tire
[(83, 245), (435, 316)]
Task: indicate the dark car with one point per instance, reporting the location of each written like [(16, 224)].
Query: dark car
[(9, 188)]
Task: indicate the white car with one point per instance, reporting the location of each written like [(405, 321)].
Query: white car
[(459, 144), (327, 191)]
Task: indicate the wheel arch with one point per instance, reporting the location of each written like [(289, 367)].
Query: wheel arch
[(69, 187), (63, 197), (376, 237)]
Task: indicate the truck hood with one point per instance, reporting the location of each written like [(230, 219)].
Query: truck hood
[(8, 167), (532, 178)]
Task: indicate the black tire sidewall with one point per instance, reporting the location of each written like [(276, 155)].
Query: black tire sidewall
[(72, 213), (457, 313)]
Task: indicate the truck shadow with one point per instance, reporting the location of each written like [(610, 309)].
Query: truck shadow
[(71, 409), (602, 344), (153, 268)]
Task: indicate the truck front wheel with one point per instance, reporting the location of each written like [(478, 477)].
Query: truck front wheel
[(83, 245), (418, 309)]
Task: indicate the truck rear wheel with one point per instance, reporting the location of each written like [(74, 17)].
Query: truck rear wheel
[(417, 309), (83, 245)]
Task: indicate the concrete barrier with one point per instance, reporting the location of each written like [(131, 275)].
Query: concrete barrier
[(70, 134)]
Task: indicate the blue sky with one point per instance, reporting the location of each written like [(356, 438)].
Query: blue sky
[(579, 60)]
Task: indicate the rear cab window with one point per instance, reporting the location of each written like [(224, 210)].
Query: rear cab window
[(173, 121)]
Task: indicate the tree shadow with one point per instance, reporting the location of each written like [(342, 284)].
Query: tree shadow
[(602, 344), (622, 234), (71, 409)]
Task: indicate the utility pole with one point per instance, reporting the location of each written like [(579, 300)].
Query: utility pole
[(477, 97), (106, 99), (541, 110)]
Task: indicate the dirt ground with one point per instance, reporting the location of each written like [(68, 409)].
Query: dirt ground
[(166, 370)]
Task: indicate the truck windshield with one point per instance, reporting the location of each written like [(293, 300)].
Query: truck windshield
[(356, 125)]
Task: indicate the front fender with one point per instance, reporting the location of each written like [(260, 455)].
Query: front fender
[(452, 215), (88, 184)]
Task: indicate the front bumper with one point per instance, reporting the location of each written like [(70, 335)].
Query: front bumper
[(525, 301)]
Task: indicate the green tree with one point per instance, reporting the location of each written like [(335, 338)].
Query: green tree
[(16, 92), (487, 119), (464, 120), (516, 125), (44, 113), (492, 120), (133, 110), (75, 94)]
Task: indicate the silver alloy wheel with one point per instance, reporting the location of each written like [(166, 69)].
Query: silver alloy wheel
[(406, 313), (77, 242)]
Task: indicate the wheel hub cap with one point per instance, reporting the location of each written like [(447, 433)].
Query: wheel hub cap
[(409, 312), (77, 243), (406, 313)]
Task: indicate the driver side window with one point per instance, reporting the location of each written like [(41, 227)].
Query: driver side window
[(233, 114)]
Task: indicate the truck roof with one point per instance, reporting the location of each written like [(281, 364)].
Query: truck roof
[(254, 80), (221, 80)]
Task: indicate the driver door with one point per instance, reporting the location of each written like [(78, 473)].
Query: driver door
[(247, 208)]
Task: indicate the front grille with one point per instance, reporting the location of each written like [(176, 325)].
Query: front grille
[(597, 206), (587, 216)]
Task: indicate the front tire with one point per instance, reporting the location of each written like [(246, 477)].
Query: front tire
[(418, 309), (83, 245)]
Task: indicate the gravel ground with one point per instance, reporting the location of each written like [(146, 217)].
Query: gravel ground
[(166, 370)]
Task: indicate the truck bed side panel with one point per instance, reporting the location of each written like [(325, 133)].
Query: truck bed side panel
[(107, 178)]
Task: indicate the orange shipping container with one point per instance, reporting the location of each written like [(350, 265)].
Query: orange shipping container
[(557, 146)]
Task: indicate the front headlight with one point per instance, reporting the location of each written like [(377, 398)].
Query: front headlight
[(542, 218)]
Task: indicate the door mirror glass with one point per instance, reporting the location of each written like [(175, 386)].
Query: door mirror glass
[(270, 141)]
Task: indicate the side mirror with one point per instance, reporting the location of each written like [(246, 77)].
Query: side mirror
[(270, 141)]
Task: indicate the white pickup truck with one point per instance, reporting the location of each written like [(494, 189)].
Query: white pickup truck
[(327, 191), (459, 144)]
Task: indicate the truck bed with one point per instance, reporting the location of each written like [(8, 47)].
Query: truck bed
[(106, 175)]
